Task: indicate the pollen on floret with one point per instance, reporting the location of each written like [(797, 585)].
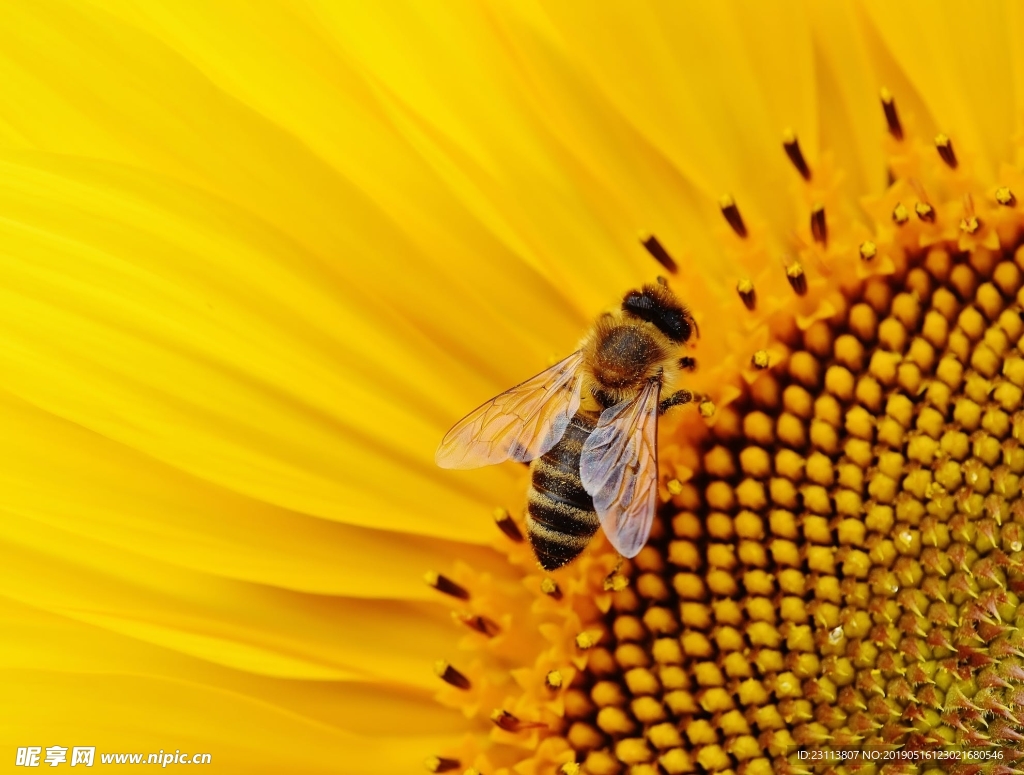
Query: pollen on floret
[(440, 764), (900, 214)]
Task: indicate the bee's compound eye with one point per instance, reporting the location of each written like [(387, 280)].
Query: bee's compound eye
[(670, 319), (685, 329), (638, 303)]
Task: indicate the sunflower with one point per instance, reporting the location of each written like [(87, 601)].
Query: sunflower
[(257, 257)]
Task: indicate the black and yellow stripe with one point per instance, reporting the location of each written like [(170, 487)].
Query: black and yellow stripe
[(560, 516)]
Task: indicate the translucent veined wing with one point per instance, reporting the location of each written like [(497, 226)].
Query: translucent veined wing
[(521, 424), (619, 469)]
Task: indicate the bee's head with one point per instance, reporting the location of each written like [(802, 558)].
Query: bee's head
[(658, 306)]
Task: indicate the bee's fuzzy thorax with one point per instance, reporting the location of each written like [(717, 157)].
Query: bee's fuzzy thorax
[(621, 353)]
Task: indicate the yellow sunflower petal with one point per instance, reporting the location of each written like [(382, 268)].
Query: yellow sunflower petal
[(251, 627), (703, 90), (163, 514), (37, 641), (271, 405), (963, 68), (848, 94), (240, 734)]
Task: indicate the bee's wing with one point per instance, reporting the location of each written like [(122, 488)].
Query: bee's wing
[(619, 469), (521, 424)]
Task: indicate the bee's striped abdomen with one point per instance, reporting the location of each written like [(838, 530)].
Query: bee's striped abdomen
[(560, 518)]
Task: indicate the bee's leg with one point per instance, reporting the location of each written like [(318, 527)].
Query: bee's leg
[(688, 363), (610, 580), (677, 398), (603, 398)]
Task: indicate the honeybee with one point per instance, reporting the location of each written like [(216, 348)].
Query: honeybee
[(589, 424)]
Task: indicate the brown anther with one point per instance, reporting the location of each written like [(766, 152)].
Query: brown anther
[(892, 119), (969, 223), (945, 148), (658, 252), (925, 212), (792, 146), (480, 624), (760, 359), (797, 278), (505, 720), (507, 525), (550, 588), (745, 288), (553, 680), (445, 585), (819, 228), (450, 675), (868, 250), (1005, 197), (899, 214), (440, 764), (732, 215)]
